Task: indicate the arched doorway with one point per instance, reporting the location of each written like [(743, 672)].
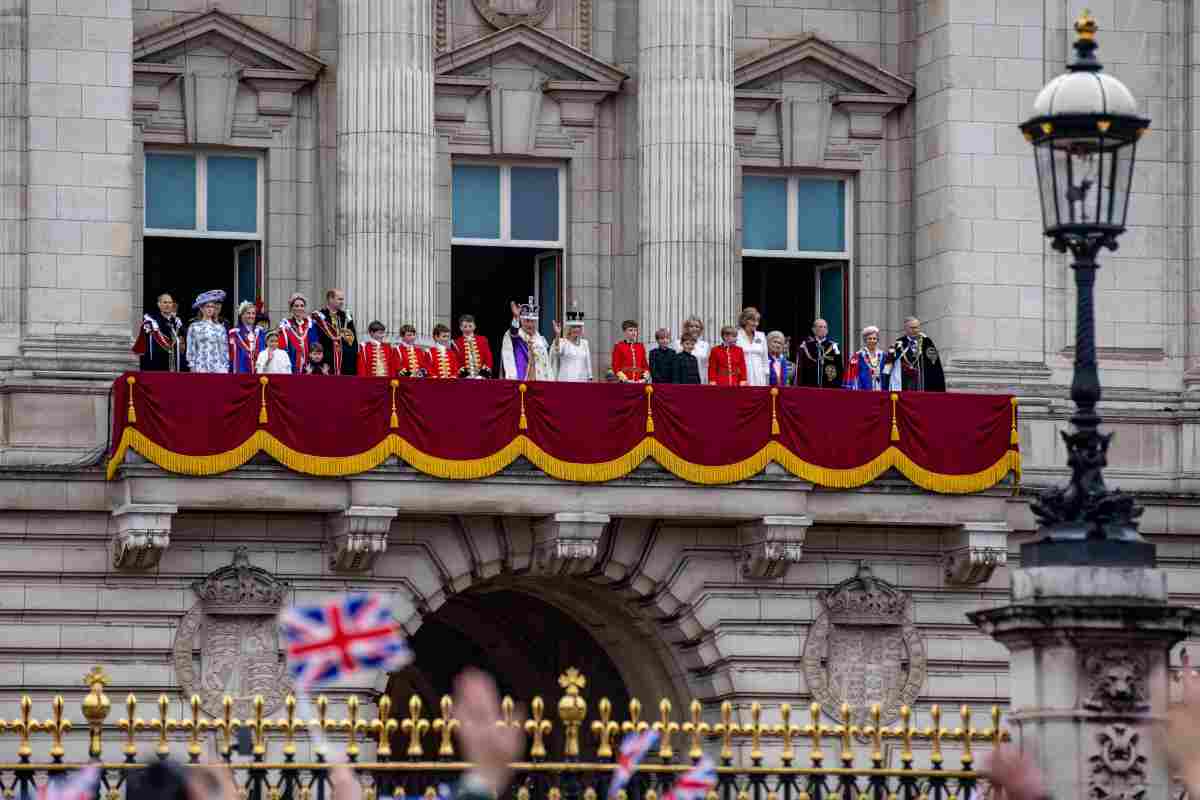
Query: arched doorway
[(522, 640)]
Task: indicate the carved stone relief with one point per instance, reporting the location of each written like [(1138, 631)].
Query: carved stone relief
[(1116, 680), (228, 643), (506, 13), (1118, 771), (863, 650)]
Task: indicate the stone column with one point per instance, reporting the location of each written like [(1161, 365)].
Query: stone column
[(386, 146), (685, 106), (13, 154), (1087, 643)]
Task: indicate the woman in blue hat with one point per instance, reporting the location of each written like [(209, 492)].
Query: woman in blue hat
[(207, 339)]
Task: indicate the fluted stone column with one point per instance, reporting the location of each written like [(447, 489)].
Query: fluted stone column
[(685, 108), (386, 147)]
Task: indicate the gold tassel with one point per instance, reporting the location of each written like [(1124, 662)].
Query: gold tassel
[(774, 418), (262, 411), (895, 427), (131, 415), (649, 411), (1013, 437), (524, 423), (395, 422)]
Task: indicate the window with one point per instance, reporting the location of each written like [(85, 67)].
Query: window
[(203, 194), (795, 216), (508, 205)]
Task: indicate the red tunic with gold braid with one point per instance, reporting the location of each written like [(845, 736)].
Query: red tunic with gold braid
[(727, 366), (474, 357), (411, 361), (441, 362), (378, 360), (629, 361)]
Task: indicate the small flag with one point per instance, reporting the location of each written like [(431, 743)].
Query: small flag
[(696, 783), (634, 748), (348, 633), (78, 786)]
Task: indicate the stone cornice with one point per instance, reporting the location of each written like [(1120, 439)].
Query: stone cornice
[(810, 48), (537, 41)]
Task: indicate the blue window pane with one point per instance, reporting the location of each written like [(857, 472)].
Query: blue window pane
[(548, 294), (232, 194), (822, 211), (476, 194), (247, 274), (170, 191), (764, 213), (535, 204), (832, 303)]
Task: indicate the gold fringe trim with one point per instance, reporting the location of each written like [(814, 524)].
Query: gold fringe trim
[(262, 412), (649, 410), (895, 426), (131, 415), (471, 469)]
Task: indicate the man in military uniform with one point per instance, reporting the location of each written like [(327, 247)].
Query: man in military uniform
[(335, 331), (914, 363), (820, 359)]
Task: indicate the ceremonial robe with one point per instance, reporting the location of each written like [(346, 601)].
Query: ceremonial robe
[(915, 365), (820, 363), (727, 366), (526, 357), (572, 362), (629, 362), (297, 339), (339, 340), (245, 343), (412, 361), (475, 357), (441, 362), (160, 343), (378, 360), (865, 372)]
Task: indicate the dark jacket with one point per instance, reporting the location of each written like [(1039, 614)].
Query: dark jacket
[(662, 365), (686, 369)]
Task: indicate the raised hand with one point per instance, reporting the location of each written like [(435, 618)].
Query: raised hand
[(1179, 735), (557, 328), (516, 309), (1014, 776), (490, 746)]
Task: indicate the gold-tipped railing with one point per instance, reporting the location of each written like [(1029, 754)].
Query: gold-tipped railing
[(414, 754)]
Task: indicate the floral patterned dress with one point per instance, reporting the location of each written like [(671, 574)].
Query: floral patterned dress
[(207, 346)]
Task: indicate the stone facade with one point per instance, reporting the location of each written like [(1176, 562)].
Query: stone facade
[(916, 102)]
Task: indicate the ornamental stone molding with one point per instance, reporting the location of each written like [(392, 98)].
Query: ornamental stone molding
[(974, 553), (357, 536), (1116, 680), (228, 643), (568, 543), (506, 13), (141, 534), (771, 544), (864, 650)]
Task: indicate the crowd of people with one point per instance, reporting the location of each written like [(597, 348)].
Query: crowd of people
[(326, 342)]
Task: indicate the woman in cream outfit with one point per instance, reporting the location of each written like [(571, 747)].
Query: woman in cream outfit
[(754, 343)]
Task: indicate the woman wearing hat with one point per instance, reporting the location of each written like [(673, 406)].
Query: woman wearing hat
[(570, 354), (297, 334), (207, 339), (245, 341)]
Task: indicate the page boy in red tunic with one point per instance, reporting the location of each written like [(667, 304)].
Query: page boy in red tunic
[(440, 360), (377, 358), (727, 361), (412, 358), (629, 356), (474, 353)]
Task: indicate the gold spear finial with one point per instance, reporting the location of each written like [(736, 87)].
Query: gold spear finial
[(96, 706)]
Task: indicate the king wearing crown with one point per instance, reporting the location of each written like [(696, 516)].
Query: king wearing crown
[(525, 354)]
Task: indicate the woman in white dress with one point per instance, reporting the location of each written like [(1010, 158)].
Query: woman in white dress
[(695, 326), (273, 360), (570, 354), (754, 343), (207, 340)]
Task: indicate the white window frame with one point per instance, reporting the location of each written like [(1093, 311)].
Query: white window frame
[(506, 239), (793, 218), (201, 230)]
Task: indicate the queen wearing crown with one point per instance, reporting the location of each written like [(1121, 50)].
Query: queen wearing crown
[(571, 354), (525, 354)]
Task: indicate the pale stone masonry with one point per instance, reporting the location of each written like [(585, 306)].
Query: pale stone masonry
[(656, 111)]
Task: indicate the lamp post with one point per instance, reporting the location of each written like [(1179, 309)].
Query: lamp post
[(1084, 131)]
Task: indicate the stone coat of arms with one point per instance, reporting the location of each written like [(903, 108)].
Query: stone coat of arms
[(228, 643), (863, 650), (506, 13)]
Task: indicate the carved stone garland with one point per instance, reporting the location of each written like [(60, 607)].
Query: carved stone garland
[(1116, 685)]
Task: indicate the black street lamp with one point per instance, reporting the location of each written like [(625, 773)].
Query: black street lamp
[(1084, 133)]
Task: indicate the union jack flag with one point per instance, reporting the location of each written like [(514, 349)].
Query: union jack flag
[(634, 748), (696, 783), (78, 786), (348, 633)]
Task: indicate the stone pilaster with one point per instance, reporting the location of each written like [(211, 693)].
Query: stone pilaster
[(13, 94), (386, 147), (1086, 644), (687, 153)]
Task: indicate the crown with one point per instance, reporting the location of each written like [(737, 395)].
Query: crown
[(574, 316), (530, 310), (241, 589), (865, 600)]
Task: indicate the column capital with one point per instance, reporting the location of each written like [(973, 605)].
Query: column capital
[(141, 534), (568, 543), (357, 536), (771, 544), (974, 552)]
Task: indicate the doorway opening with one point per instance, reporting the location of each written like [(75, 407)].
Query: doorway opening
[(792, 292), (485, 280), (186, 267)]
